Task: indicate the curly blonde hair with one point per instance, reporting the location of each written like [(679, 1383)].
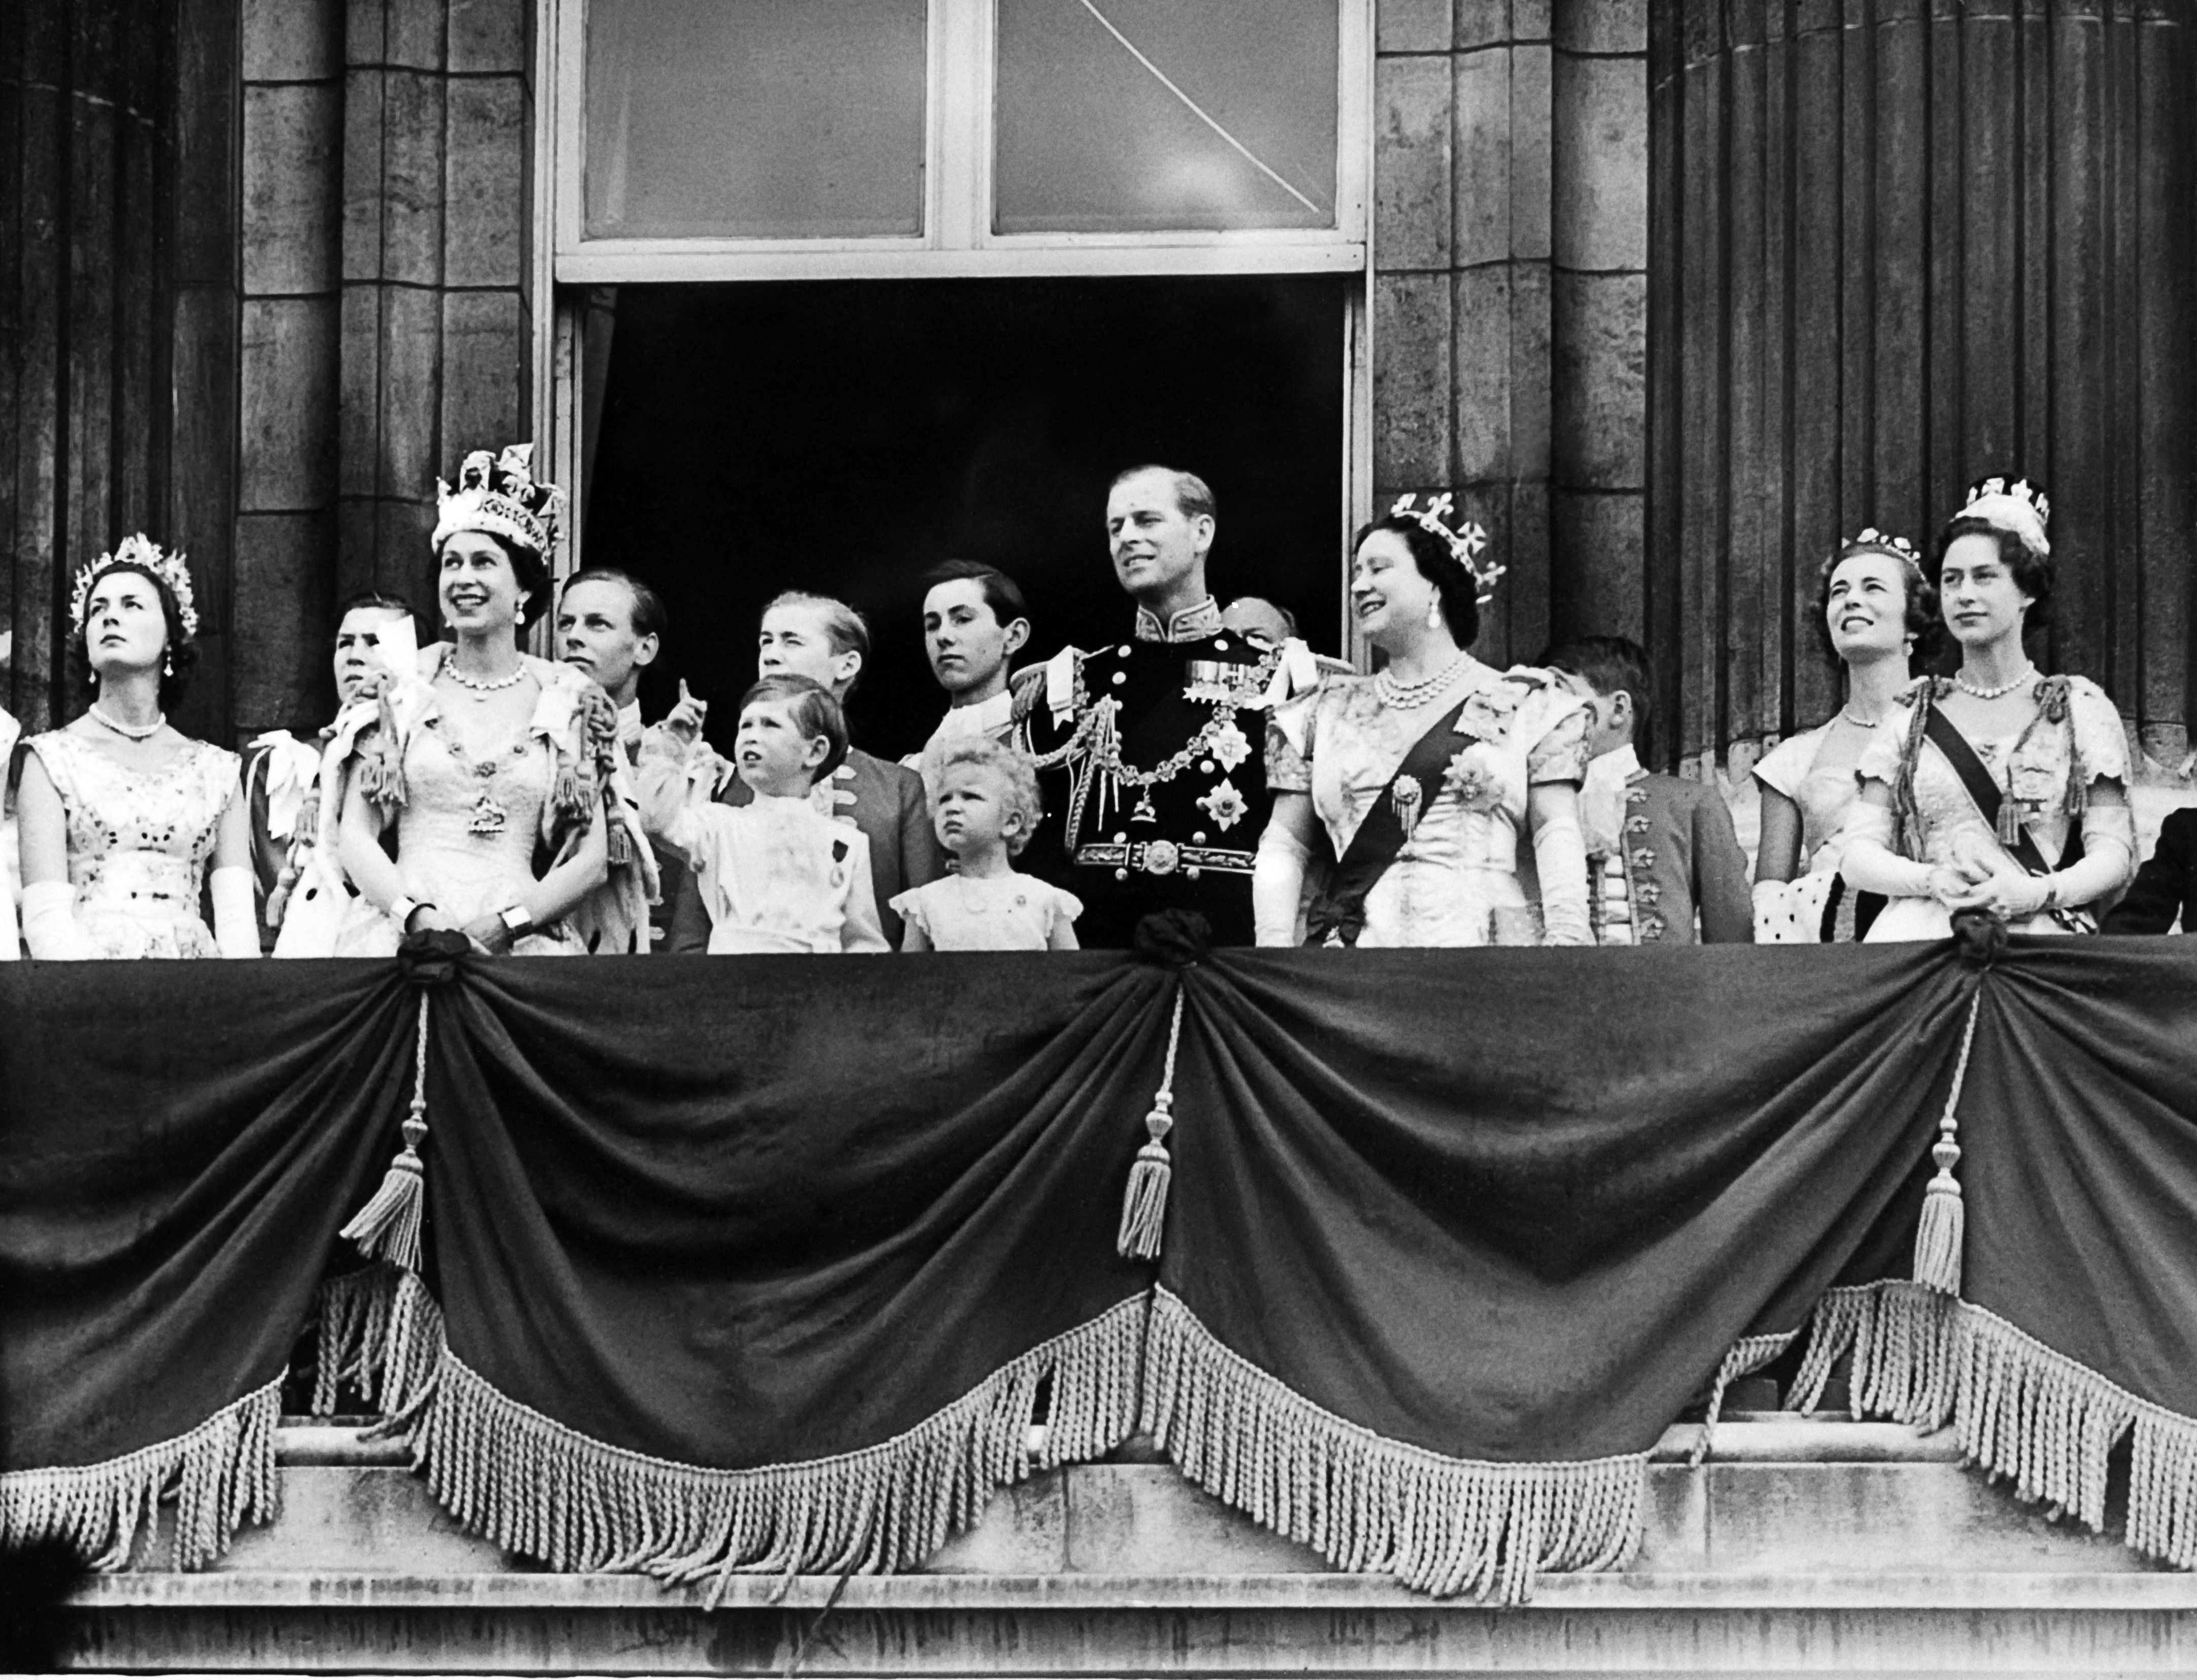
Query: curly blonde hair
[(1018, 777)]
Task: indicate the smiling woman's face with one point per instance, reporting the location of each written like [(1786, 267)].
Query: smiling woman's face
[(1390, 597), (124, 628), (476, 585), (1983, 603), (1866, 608)]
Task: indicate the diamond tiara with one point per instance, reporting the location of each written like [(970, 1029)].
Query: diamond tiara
[(2013, 505), (139, 551), (1465, 539)]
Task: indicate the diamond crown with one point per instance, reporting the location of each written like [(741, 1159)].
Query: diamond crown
[(501, 495)]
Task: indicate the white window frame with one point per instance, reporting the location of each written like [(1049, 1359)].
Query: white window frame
[(957, 243)]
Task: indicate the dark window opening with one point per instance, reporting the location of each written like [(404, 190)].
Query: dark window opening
[(845, 436)]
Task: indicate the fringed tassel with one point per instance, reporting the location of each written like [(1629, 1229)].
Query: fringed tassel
[(1905, 812), (1368, 1503), (1144, 1203), (220, 1474), (381, 760), (2009, 821), (2018, 1409), (379, 1331), (1943, 1229), (388, 1226), (1748, 1355), (536, 1487)]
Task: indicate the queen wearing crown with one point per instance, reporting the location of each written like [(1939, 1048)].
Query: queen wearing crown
[(1419, 783), (2000, 789), (124, 823), (484, 792)]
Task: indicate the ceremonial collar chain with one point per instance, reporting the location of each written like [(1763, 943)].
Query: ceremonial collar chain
[(1192, 624)]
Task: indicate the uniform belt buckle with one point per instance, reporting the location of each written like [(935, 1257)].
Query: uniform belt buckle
[(1162, 857)]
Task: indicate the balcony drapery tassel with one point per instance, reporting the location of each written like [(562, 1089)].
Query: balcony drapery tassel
[(1143, 1204), (1944, 1227), (388, 1226)]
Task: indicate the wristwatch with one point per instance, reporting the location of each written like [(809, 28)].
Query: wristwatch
[(518, 919)]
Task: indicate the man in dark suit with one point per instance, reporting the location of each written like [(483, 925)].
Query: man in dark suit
[(827, 641), (2165, 887)]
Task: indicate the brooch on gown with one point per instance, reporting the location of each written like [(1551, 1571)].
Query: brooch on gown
[(489, 816), (1404, 793)]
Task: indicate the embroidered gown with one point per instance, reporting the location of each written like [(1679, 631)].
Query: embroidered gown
[(1456, 879), (139, 844), (2045, 769)]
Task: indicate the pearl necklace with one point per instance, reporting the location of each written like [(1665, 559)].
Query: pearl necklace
[(130, 732), (1848, 713), (1961, 682), (481, 689), (1410, 696)]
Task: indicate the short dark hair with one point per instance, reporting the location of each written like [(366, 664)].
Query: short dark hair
[(1001, 593), (1193, 496), (1607, 664), (1455, 586), (182, 650), (527, 565), (816, 711), (649, 617), (1923, 622), (2032, 571), (379, 600)]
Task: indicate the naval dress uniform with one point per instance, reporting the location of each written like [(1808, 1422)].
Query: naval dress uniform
[(1154, 783)]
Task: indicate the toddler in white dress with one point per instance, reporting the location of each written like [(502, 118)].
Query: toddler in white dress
[(984, 804), (776, 874)]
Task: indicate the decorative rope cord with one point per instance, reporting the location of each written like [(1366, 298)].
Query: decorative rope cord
[(1944, 1227), (388, 1226), (1144, 1203)]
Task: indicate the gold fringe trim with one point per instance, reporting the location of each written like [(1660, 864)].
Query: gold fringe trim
[(2020, 1409), (1367, 1503), (533, 1486), (1747, 1356), (380, 1331), (221, 1475)]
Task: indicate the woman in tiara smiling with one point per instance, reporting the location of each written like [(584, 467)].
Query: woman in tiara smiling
[(497, 775), (1876, 614), (2001, 789), (121, 817), (1421, 783)]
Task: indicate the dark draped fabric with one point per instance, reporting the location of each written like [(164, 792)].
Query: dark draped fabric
[(774, 1263), (743, 1213)]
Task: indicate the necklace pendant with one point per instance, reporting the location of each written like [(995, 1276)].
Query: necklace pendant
[(1144, 812), (489, 817)]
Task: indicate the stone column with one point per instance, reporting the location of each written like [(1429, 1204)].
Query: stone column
[(1510, 317), (1897, 246), (436, 310)]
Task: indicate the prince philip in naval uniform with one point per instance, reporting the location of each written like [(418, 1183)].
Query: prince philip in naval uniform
[(1149, 749)]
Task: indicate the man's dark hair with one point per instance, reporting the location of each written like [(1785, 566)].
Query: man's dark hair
[(1607, 664), (1001, 593), (649, 617)]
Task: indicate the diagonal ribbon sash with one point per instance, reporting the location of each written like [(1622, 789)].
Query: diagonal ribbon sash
[(1339, 907)]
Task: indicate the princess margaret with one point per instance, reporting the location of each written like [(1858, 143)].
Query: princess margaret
[(2002, 790), (1422, 780)]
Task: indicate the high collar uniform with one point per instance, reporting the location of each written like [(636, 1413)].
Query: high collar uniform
[(1155, 787)]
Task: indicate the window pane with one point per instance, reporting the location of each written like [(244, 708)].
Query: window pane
[(1092, 137), (767, 119)]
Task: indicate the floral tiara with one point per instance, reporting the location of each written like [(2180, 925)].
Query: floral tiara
[(1465, 539), (1872, 541), (139, 551), (2012, 505)]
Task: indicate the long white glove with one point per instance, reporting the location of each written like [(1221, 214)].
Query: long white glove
[(1560, 859), (1276, 885), (50, 924), (235, 928), (1868, 861)]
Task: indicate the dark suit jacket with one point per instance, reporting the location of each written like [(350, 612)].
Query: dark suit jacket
[(1683, 843), (2166, 886), (889, 808)]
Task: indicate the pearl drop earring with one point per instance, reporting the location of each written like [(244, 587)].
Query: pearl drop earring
[(1434, 613)]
